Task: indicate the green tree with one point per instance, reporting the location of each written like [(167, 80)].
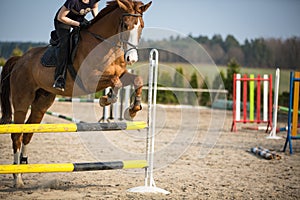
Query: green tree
[(17, 52), (192, 96), (205, 96), (217, 39), (218, 84), (2, 61), (261, 53), (232, 68), (165, 96), (230, 42), (178, 78), (179, 83)]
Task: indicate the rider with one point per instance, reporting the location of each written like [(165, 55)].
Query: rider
[(71, 14)]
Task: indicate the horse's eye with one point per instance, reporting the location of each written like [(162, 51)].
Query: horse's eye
[(125, 26)]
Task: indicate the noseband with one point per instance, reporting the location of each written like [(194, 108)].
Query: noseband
[(122, 42)]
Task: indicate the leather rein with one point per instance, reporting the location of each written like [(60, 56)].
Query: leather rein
[(120, 44)]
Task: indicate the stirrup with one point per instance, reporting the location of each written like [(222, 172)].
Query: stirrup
[(59, 84)]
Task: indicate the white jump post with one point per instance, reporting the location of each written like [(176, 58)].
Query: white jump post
[(105, 115), (265, 98), (238, 97), (150, 186), (126, 100), (275, 107)]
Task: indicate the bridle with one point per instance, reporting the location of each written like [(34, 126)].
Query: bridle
[(121, 42)]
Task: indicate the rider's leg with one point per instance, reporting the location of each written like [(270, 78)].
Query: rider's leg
[(62, 57)]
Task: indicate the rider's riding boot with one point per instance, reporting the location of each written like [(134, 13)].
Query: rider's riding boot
[(59, 83), (60, 70)]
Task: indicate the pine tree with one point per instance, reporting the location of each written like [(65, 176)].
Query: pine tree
[(219, 84), (165, 96), (17, 52), (192, 96), (2, 61), (205, 96), (178, 82), (232, 68)]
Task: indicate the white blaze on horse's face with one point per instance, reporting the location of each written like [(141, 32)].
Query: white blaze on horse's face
[(131, 55)]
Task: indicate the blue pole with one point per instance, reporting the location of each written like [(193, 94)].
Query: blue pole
[(288, 138)]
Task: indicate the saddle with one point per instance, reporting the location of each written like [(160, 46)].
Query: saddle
[(49, 58)]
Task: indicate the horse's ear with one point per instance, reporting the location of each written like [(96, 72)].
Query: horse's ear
[(145, 7), (125, 5)]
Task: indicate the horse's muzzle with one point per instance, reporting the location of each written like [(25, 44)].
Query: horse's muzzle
[(131, 56)]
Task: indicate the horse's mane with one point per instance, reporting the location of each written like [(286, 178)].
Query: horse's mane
[(110, 6)]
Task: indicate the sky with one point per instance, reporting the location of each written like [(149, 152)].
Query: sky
[(32, 20)]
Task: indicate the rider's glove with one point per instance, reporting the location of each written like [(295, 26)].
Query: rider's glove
[(84, 24)]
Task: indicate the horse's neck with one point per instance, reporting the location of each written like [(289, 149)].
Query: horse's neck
[(94, 54), (107, 28)]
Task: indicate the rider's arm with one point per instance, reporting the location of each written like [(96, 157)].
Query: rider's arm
[(62, 17), (95, 9)]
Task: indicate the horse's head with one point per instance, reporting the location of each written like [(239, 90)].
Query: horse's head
[(131, 27), (124, 19)]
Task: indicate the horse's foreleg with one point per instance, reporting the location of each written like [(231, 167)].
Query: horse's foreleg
[(111, 97), (137, 81)]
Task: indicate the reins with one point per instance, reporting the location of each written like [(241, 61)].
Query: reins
[(121, 42)]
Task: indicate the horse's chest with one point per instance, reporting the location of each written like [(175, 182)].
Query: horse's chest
[(115, 71)]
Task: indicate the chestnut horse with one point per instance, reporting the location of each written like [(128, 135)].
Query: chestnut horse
[(25, 82)]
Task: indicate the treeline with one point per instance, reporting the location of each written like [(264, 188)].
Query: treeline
[(7, 48), (256, 53)]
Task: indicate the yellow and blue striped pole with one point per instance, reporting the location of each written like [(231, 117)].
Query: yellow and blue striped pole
[(72, 167), (79, 127)]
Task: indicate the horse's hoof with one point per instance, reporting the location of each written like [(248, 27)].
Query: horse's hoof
[(103, 101), (127, 115), (112, 100), (19, 183)]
